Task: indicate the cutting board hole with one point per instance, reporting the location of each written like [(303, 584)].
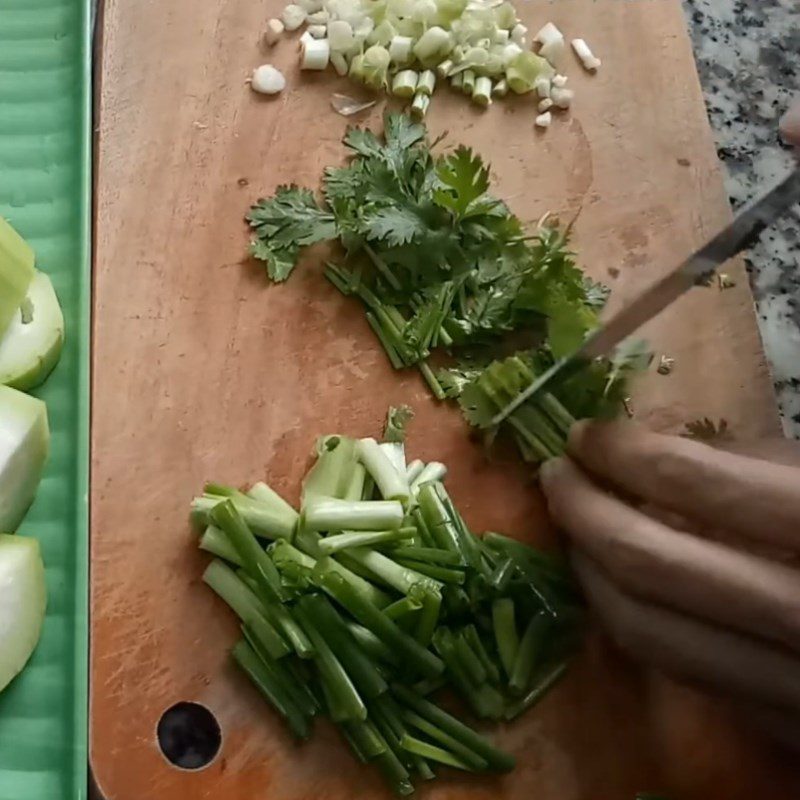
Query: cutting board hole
[(189, 735)]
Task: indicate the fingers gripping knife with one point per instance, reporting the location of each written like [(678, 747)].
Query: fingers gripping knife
[(696, 269)]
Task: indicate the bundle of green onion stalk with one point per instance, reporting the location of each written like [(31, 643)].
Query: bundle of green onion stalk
[(376, 598)]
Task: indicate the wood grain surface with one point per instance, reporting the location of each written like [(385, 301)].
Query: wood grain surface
[(203, 371)]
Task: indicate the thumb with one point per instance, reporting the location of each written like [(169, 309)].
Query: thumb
[(790, 125)]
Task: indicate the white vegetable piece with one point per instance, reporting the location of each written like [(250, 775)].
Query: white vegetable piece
[(427, 82), (339, 63), (552, 43), (23, 600), (347, 106), (501, 36), (400, 49), (316, 54), (273, 32), (306, 37), (318, 18), (424, 11), (31, 345), (589, 60), (293, 17), (443, 70), (482, 93), (510, 52), (545, 105), (24, 447), (340, 36), (433, 45), (317, 31), (500, 89), (542, 86), (518, 34), (419, 108), (544, 120), (562, 97), (267, 80), (310, 6), (404, 83), (560, 81)]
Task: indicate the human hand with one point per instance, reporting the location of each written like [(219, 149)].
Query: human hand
[(790, 125), (640, 510)]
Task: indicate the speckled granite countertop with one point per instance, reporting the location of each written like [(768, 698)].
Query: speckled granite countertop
[(748, 56)]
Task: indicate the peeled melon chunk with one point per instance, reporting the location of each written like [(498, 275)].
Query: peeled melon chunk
[(31, 345), (16, 272), (23, 599), (24, 446)]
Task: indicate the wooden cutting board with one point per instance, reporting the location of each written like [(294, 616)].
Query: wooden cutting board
[(203, 371)]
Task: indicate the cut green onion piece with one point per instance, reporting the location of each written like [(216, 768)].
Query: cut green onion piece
[(457, 81), (443, 69), (434, 471), (267, 521), (265, 637), (496, 759), (417, 658), (344, 541), (474, 761), (433, 46), (392, 573), (468, 82), (237, 594), (263, 493), (389, 480), (400, 49), (540, 688), (214, 541), (404, 83), (435, 571), (402, 607), (426, 82), (365, 739), (432, 752), (530, 647), (419, 108), (500, 89), (482, 93), (265, 682), (346, 704), (430, 555), (505, 632), (414, 469), (330, 514)]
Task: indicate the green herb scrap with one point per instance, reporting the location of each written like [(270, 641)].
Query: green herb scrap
[(441, 264)]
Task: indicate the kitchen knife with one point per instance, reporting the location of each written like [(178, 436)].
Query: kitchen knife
[(696, 270)]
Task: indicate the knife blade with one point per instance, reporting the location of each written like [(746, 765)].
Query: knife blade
[(695, 270)]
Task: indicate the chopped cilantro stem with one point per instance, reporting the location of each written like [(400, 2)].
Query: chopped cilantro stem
[(330, 514), (431, 380)]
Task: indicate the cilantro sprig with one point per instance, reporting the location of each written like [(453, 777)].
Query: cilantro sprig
[(441, 264)]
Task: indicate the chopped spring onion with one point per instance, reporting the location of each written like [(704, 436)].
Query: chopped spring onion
[(390, 481), (518, 34), (267, 80), (543, 87), (500, 89), (16, 272), (400, 49), (318, 17), (273, 32), (373, 68), (434, 45), (468, 84), (443, 70), (434, 471), (339, 63), (426, 82), (330, 514), (545, 105), (524, 70), (413, 470), (340, 36), (316, 53), (293, 16), (457, 81), (419, 108), (562, 98), (482, 93), (404, 83), (560, 81), (586, 56), (344, 541), (543, 120), (317, 31), (551, 41)]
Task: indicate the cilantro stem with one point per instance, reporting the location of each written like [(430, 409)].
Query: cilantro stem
[(431, 380), (381, 266), (391, 352)]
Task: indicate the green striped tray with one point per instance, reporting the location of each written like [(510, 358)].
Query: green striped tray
[(45, 119)]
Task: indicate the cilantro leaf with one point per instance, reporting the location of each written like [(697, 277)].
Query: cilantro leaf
[(284, 224), (464, 179)]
